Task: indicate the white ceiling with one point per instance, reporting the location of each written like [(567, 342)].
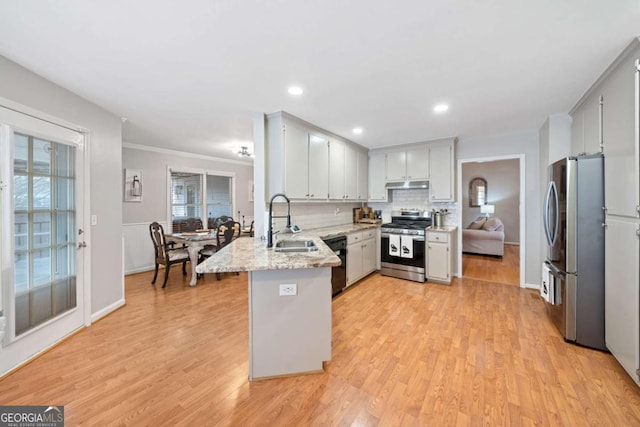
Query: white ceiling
[(188, 75)]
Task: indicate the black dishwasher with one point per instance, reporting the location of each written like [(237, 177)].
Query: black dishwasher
[(339, 273)]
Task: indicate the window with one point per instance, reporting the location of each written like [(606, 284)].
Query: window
[(186, 195), (200, 194)]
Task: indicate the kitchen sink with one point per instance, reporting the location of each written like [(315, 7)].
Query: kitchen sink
[(295, 246)]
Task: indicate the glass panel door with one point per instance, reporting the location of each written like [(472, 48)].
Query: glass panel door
[(41, 251), (44, 230)]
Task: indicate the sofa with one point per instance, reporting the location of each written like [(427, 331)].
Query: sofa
[(484, 236)]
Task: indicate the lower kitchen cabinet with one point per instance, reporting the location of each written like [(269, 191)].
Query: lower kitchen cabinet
[(361, 255), (440, 254)]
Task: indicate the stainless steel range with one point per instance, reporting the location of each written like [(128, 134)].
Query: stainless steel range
[(402, 245)]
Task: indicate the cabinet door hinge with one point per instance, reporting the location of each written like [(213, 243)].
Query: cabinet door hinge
[(638, 209), (638, 372), (638, 232), (637, 64)]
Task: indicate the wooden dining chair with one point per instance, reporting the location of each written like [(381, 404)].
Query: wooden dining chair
[(227, 233), (165, 254)]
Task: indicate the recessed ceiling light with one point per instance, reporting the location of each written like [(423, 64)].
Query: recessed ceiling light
[(357, 130), (295, 90), (440, 108)]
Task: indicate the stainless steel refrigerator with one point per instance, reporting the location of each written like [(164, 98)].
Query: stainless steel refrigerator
[(573, 224)]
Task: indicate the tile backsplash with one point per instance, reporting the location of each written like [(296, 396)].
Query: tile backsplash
[(314, 215), (415, 198)]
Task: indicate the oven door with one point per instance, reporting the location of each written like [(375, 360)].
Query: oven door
[(417, 259)]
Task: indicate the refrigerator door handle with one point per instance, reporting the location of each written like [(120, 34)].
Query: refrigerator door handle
[(551, 240), (556, 209)]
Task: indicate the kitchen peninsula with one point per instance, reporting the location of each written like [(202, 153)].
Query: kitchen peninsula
[(288, 334)]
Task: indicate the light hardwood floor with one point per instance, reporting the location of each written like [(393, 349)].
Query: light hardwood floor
[(499, 270), (404, 353)]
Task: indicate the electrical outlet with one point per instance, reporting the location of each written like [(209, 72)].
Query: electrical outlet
[(288, 290)]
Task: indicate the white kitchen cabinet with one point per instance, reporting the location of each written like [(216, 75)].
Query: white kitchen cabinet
[(440, 255), (318, 167), (396, 166), (412, 164), (336, 170), (377, 178), (620, 140), (368, 256), (622, 296), (343, 171), (618, 87), (363, 175), (361, 254), (577, 134), (354, 257), (350, 173), (441, 168), (586, 126), (296, 165), (418, 163), (308, 163)]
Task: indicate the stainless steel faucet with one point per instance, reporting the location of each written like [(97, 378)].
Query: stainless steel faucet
[(270, 233)]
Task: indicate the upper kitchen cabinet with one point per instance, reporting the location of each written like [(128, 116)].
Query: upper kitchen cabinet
[(396, 167), (363, 175), (343, 171), (318, 167), (296, 165), (418, 163), (412, 164), (336, 170), (586, 128), (619, 120), (350, 172), (441, 170), (308, 163), (377, 179)]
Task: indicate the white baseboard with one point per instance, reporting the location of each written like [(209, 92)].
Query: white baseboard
[(109, 309), (530, 286), (141, 270), (512, 243)]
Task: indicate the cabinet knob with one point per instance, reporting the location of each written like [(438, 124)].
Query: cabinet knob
[(306, 195), (313, 195), (409, 176)]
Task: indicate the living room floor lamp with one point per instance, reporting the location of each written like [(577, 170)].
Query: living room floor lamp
[(487, 209)]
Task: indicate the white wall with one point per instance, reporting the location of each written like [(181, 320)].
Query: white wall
[(503, 191), (136, 216), (22, 86), (526, 143), (154, 163)]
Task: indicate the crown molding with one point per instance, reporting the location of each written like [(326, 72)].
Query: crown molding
[(183, 154)]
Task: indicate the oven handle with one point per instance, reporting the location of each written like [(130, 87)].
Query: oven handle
[(415, 238)]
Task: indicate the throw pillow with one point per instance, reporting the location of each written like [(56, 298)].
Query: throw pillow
[(491, 224), (477, 224)]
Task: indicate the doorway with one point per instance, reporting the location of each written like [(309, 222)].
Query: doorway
[(491, 219), (42, 247)]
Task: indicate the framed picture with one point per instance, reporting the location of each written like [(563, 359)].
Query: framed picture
[(133, 185), (251, 189)]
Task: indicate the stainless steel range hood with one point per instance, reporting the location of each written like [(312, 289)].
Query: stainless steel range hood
[(405, 185)]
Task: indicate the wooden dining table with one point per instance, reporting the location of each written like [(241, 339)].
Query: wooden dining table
[(194, 242)]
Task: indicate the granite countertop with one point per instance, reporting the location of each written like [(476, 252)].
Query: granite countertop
[(249, 254), (444, 228)]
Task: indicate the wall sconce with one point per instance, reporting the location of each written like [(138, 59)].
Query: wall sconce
[(136, 187)]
